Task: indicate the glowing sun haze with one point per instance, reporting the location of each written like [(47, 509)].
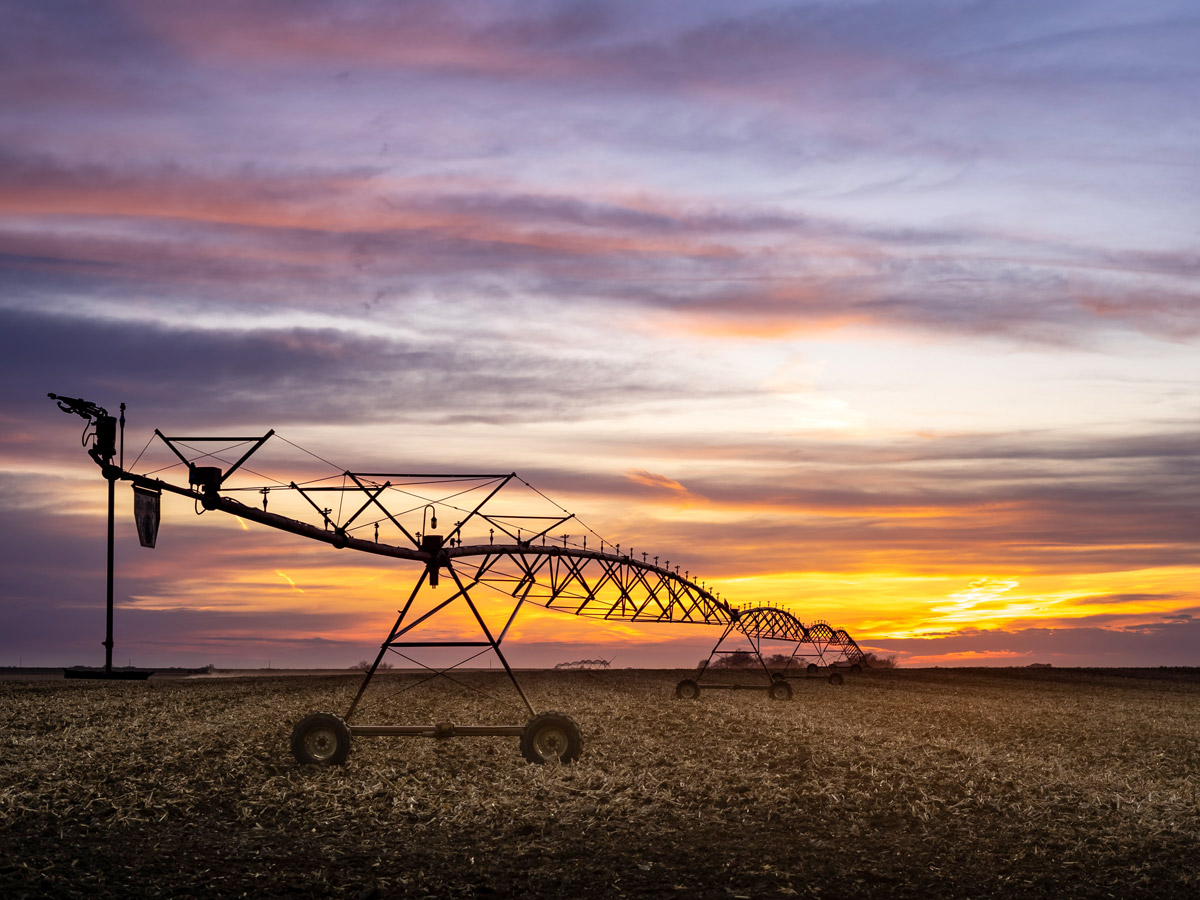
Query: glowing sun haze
[(886, 313)]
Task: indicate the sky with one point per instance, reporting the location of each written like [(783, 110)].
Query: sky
[(885, 313)]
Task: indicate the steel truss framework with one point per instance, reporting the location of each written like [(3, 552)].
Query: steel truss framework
[(533, 561), (812, 648)]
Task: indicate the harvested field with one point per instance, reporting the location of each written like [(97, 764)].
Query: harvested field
[(908, 783)]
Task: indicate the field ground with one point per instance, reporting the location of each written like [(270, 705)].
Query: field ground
[(907, 783)]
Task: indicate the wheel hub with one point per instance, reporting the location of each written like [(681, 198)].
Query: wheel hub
[(550, 743), (320, 742)]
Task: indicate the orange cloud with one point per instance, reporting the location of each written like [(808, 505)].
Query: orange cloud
[(654, 480), (288, 579)]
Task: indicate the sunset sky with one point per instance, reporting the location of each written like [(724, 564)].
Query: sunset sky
[(886, 313)]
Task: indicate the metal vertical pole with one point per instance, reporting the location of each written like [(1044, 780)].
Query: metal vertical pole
[(108, 636)]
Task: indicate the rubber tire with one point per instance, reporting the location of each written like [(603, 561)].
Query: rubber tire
[(836, 678), (855, 669), (321, 739), (780, 690), (551, 736), (812, 669), (687, 690)]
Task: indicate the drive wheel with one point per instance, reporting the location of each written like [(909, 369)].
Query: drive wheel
[(321, 739), (812, 669), (550, 737), (687, 690), (780, 690), (855, 669), (836, 678)]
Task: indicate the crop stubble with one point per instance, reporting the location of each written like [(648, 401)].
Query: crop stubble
[(910, 783)]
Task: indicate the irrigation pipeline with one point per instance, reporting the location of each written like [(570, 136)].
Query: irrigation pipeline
[(533, 561)]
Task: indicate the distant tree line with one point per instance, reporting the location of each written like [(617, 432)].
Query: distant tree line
[(364, 666)]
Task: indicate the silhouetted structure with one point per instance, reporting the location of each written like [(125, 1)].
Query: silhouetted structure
[(814, 648), (533, 561), (101, 434)]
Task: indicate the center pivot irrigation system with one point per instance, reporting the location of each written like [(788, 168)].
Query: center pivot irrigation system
[(507, 540)]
